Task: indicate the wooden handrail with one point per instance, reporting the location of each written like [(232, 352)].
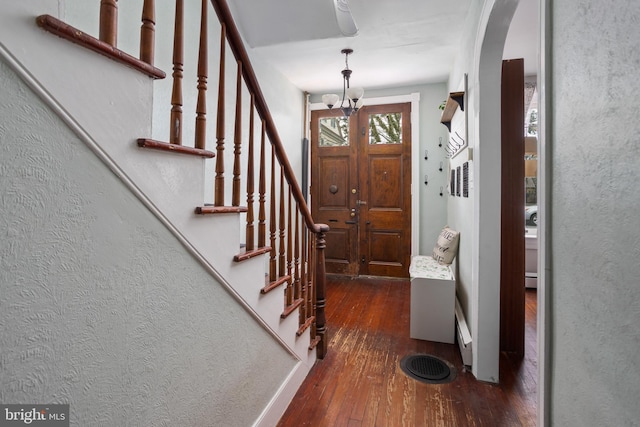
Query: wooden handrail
[(314, 305), (237, 47)]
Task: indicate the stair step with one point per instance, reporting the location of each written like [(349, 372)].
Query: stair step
[(273, 285), (66, 31), (293, 307), (306, 325), (314, 342), (210, 209), (175, 148), (251, 254)]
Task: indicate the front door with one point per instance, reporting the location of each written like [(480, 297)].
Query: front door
[(361, 188)]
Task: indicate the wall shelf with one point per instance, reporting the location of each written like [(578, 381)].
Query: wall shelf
[(455, 100)]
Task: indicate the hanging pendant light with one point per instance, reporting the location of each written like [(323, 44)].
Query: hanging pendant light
[(351, 96)]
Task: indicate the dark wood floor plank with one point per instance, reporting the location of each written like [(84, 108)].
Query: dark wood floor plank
[(360, 382)]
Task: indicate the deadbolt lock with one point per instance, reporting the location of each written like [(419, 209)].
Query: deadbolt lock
[(353, 190)]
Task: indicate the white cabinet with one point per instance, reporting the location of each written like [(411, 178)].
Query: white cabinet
[(433, 295)]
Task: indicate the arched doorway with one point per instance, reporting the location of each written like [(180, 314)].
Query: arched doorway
[(485, 94)]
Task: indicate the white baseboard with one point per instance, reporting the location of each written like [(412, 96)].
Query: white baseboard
[(280, 401), (464, 336)]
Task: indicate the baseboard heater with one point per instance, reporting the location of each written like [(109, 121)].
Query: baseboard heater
[(463, 335)]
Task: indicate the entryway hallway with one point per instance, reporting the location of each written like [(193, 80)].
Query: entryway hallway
[(360, 382)]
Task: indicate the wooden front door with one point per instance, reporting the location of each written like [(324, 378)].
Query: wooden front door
[(361, 188)]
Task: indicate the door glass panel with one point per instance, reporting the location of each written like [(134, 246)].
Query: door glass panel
[(334, 131), (531, 157), (385, 128)]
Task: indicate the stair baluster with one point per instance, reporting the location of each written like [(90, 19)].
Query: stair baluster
[(201, 106), (304, 312), (237, 140), (147, 32), (250, 178), (282, 272), (290, 231), (219, 180), (175, 126), (273, 272), (296, 255), (108, 32), (262, 189)]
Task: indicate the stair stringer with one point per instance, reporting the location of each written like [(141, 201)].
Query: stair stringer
[(112, 105)]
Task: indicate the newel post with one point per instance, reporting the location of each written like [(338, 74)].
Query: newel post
[(321, 299)]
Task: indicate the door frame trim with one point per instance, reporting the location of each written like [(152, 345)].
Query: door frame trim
[(414, 99)]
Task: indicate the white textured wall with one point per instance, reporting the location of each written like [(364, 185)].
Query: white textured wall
[(100, 306), (433, 207), (478, 217), (460, 210), (595, 289)]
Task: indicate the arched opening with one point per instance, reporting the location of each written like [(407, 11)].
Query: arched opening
[(485, 94)]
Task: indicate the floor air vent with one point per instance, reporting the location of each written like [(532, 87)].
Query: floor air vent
[(428, 369)]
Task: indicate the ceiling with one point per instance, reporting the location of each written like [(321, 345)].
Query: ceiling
[(398, 43)]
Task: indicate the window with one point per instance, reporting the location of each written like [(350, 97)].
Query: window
[(334, 131), (385, 128)]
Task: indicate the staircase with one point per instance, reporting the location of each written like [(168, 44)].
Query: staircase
[(256, 235)]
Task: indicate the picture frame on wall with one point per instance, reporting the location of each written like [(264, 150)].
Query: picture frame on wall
[(453, 182), (465, 179)]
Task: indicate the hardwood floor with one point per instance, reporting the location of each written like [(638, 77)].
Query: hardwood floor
[(360, 382)]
